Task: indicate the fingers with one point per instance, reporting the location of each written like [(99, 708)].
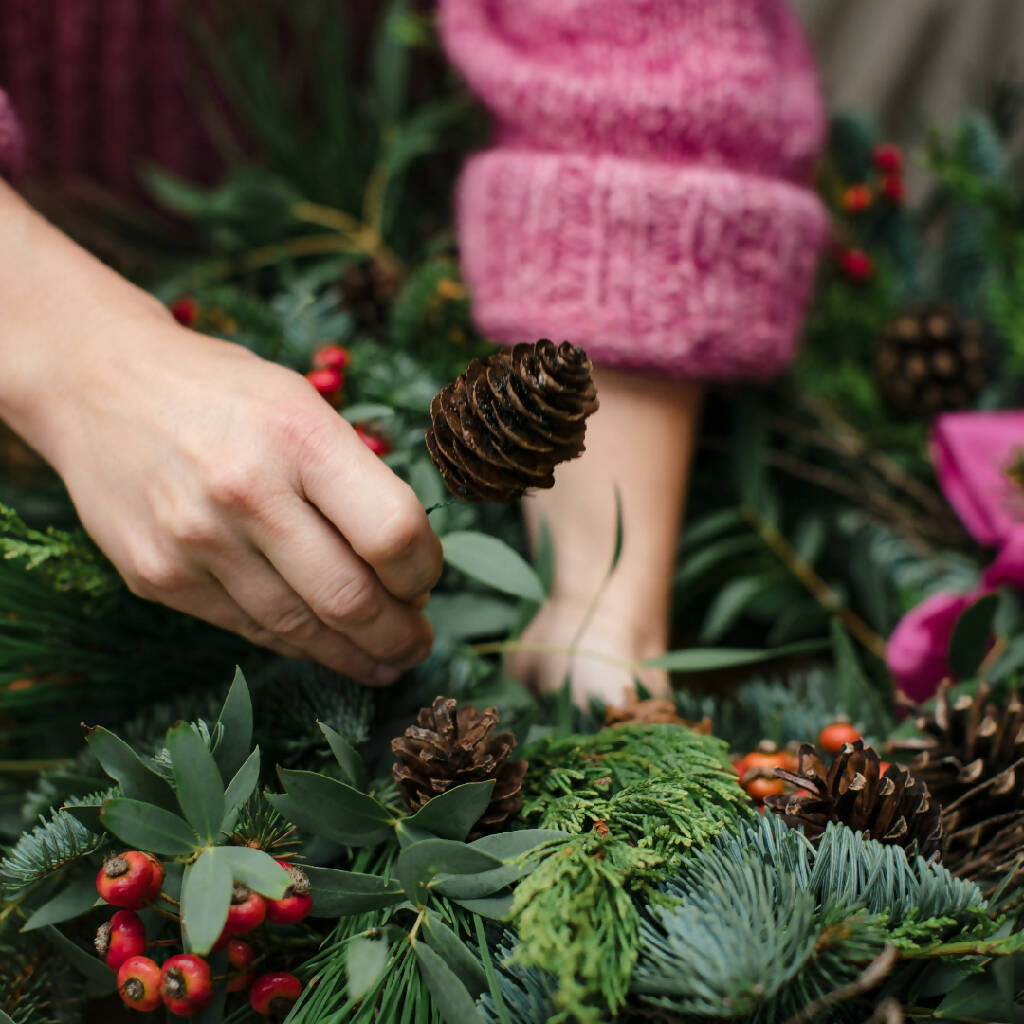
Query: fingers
[(342, 592), (282, 615), (378, 514)]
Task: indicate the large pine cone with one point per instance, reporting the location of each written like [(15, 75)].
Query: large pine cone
[(448, 748), (893, 807), (505, 423), (931, 360), (972, 758)]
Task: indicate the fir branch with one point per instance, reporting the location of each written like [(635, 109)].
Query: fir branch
[(51, 846)]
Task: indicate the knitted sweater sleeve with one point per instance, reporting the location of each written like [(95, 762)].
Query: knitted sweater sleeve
[(11, 143), (647, 194)]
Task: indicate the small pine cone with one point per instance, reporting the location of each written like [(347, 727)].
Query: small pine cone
[(931, 360), (448, 748), (368, 290), (505, 423), (971, 756), (893, 807)]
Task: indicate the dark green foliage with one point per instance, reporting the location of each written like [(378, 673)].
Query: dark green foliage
[(53, 845), (37, 986)]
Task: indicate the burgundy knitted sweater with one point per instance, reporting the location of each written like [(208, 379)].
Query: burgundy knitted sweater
[(647, 196)]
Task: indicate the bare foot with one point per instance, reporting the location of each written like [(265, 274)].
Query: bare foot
[(603, 664)]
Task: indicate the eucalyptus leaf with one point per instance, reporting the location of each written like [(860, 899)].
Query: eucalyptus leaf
[(456, 955), (256, 869), (148, 827), (236, 719), (338, 893), (198, 779), (365, 961), (121, 763), (452, 814), (419, 863), (205, 898), (73, 900), (347, 757), (510, 845), (240, 788), (329, 808), (87, 814), (448, 994), (493, 563), (698, 659), (100, 980), (460, 617)]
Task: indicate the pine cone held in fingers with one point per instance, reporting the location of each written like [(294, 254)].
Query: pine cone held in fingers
[(502, 426), (892, 807), (448, 747)]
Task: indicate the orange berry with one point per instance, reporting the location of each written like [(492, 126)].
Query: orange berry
[(832, 737)]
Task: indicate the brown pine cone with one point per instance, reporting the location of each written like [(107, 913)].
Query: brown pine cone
[(892, 807), (449, 747), (505, 423)]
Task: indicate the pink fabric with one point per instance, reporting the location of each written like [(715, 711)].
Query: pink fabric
[(974, 452), (12, 147), (647, 195)]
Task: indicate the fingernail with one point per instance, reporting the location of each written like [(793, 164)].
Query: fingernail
[(385, 675)]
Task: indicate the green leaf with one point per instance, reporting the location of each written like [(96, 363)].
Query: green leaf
[(452, 814), (482, 883), (329, 808), (418, 863), (456, 955), (707, 659), (4, 1019), (236, 719), (493, 563), (447, 992), (459, 617), (728, 604), (87, 814), (347, 757), (73, 900), (120, 762), (200, 787), (363, 411), (365, 961), (972, 637), (256, 869), (240, 789), (100, 980), (338, 893), (425, 480), (205, 898), (512, 845), (147, 827)]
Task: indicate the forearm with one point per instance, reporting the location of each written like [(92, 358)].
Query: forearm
[(54, 296)]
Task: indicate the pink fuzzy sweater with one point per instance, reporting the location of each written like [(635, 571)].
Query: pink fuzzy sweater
[(646, 196)]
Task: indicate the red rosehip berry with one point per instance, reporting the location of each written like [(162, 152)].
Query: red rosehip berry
[(327, 381), (185, 310), (887, 158), (186, 986), (376, 442), (856, 265), (246, 912), (832, 737), (272, 995), (760, 787), (240, 954), (158, 877), (120, 938), (138, 983), (894, 189), (332, 357), (126, 880), (296, 902), (856, 198)]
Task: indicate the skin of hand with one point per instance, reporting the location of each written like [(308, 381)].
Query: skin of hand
[(640, 440), (216, 483)]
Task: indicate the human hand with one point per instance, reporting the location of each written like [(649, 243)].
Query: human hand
[(224, 486), (216, 483)]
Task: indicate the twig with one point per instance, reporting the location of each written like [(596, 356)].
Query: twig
[(875, 972), (820, 590)]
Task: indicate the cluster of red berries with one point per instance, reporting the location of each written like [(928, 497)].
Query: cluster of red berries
[(183, 983), (887, 159), (756, 770)]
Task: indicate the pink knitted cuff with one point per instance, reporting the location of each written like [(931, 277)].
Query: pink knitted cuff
[(685, 270), (12, 147)]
